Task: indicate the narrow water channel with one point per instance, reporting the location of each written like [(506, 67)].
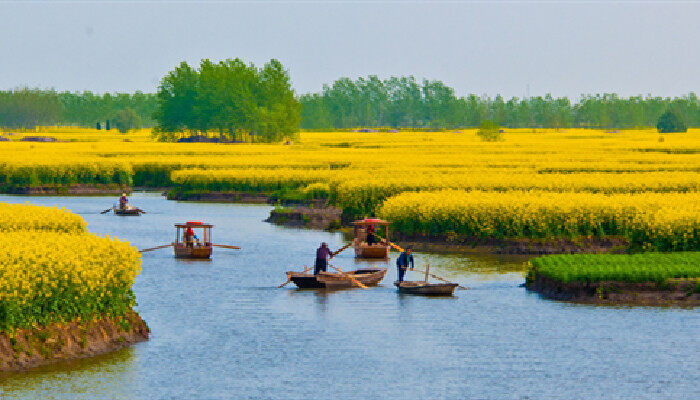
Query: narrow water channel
[(222, 329)]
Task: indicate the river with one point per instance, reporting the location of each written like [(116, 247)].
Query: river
[(222, 329)]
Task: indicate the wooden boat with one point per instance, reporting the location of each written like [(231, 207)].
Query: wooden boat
[(362, 248), (425, 288), (127, 211), (188, 248), (335, 280)]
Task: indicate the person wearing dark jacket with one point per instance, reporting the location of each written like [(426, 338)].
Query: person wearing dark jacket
[(322, 255), (371, 239), (402, 262)]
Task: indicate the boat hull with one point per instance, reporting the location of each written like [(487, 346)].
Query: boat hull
[(426, 289), (196, 253), (377, 250), (129, 212), (334, 280)]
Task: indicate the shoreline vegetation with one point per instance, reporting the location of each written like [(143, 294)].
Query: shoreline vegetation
[(72, 298), (643, 279)]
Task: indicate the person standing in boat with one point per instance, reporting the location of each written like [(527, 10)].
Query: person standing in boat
[(370, 235), (190, 237), (403, 261), (123, 202), (322, 255)]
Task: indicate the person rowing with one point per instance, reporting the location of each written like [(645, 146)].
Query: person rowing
[(123, 202), (403, 261), (322, 255)]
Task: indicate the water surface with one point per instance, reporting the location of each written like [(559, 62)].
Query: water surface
[(222, 329)]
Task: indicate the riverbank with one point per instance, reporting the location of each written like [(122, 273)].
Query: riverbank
[(27, 348), (78, 189), (681, 292)]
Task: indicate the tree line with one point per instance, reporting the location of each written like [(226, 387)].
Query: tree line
[(403, 102), (27, 108), (234, 101)]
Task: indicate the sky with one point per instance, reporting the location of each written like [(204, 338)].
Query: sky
[(501, 47)]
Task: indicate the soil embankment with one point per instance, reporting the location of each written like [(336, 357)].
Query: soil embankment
[(220, 197), (27, 348), (69, 190), (673, 292), (307, 216), (493, 245)]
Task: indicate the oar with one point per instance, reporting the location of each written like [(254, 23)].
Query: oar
[(355, 281), (397, 247), (441, 279), (341, 249), (155, 248), (226, 246), (141, 211), (289, 277), (107, 210)]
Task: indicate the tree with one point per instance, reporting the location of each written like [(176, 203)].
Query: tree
[(231, 99), (671, 122), (126, 120), (489, 131)]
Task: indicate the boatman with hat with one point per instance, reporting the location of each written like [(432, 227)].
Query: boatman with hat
[(402, 262), (123, 202), (322, 255)]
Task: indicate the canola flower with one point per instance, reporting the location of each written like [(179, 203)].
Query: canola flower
[(23, 217), (359, 172), (53, 270), (661, 221)]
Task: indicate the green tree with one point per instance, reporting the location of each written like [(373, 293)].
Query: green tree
[(489, 131), (669, 122), (126, 120)]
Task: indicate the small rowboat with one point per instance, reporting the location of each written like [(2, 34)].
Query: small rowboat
[(379, 249), (127, 211), (187, 248), (426, 289), (335, 280)]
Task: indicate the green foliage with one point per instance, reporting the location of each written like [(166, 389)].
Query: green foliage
[(489, 132), (126, 120), (237, 101), (406, 103), (646, 267), (671, 122), (28, 108)]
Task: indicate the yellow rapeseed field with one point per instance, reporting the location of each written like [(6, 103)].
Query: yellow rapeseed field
[(360, 171), (53, 270)]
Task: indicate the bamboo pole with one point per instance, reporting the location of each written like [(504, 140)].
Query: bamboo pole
[(289, 277), (226, 246), (355, 281), (440, 279), (155, 248), (341, 249)]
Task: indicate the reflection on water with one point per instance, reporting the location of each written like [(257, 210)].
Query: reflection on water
[(222, 329)]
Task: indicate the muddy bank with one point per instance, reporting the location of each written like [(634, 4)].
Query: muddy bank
[(454, 243), (673, 292), (27, 348), (307, 216), (69, 190), (220, 197)]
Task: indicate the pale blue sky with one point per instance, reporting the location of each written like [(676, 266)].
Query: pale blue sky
[(477, 47)]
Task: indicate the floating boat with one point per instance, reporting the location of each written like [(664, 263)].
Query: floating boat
[(425, 288), (336, 280), (379, 249), (188, 248), (127, 211)]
